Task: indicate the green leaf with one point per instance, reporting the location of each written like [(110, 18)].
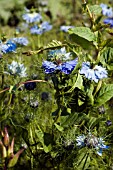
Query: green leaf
[(53, 44), (60, 128), (95, 9), (83, 160), (106, 58), (78, 83), (83, 32), (13, 161), (89, 93), (105, 94)]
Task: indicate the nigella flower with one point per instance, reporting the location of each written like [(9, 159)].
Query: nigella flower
[(107, 11), (91, 141), (20, 40), (66, 67), (80, 140), (65, 28), (32, 17), (8, 47), (97, 73), (109, 21), (45, 26), (36, 30), (49, 67), (59, 54), (17, 69)]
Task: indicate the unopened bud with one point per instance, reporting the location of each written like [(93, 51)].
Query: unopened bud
[(6, 137), (4, 151), (14, 160)]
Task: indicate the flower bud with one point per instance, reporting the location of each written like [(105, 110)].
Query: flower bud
[(14, 160), (3, 148), (6, 137)]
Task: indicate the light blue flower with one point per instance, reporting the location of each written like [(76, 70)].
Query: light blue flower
[(16, 68), (20, 41), (65, 28), (90, 140), (36, 30), (8, 47), (80, 140), (32, 17), (109, 21), (59, 54), (96, 73), (45, 26), (107, 11), (67, 67)]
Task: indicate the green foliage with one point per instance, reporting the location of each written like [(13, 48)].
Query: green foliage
[(95, 9), (105, 94), (82, 36)]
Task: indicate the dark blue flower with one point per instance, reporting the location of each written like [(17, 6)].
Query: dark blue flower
[(8, 47), (45, 96), (108, 122), (49, 67), (109, 21), (30, 85), (67, 67)]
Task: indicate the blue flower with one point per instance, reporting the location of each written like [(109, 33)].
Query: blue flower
[(67, 67), (45, 26), (49, 67), (36, 30), (80, 140), (20, 40), (17, 69), (32, 17), (109, 21), (90, 140), (97, 73), (59, 54), (8, 47), (107, 11), (65, 28)]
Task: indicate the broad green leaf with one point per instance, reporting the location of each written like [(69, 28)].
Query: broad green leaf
[(95, 9), (105, 94), (85, 44), (83, 32)]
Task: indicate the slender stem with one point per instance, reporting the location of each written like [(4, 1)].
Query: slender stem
[(43, 81)]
